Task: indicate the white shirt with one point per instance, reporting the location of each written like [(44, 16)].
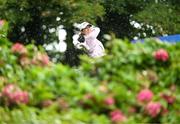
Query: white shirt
[(94, 47)]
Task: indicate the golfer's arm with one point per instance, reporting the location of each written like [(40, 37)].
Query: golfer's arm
[(95, 32)]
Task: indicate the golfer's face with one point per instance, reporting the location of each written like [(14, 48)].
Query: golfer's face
[(86, 31)]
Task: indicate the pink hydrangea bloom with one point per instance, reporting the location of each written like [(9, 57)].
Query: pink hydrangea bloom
[(19, 48), (41, 58), (24, 61), (20, 97), (153, 108), (117, 116), (45, 59), (161, 55), (145, 95), (9, 90), (14, 94), (169, 98), (109, 101)]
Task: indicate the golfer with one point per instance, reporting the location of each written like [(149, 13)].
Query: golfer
[(88, 39)]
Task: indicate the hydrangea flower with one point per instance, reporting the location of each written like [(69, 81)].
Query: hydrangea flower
[(161, 55), (117, 116), (145, 95), (153, 108), (19, 48)]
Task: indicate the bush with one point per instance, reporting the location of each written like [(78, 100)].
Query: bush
[(133, 83)]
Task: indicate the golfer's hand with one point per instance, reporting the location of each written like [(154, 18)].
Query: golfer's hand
[(79, 45)]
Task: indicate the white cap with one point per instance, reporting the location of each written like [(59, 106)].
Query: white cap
[(83, 25)]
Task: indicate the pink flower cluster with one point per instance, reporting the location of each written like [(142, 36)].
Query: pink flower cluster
[(153, 108), (19, 48), (24, 61), (41, 58), (117, 116), (145, 95), (109, 101), (169, 98), (38, 59), (15, 95), (161, 55)]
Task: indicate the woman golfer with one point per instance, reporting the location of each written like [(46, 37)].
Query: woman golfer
[(88, 39)]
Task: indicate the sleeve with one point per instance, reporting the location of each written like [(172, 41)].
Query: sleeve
[(94, 33), (75, 39), (79, 45)]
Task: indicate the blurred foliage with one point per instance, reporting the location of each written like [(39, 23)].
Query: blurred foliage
[(60, 94)]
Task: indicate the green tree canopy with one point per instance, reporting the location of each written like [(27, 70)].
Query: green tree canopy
[(30, 20)]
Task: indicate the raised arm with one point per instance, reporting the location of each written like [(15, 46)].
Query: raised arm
[(94, 33)]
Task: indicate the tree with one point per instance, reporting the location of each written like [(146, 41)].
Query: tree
[(163, 15), (32, 19), (155, 17), (118, 16)]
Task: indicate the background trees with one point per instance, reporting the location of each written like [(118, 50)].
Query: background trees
[(32, 19), (37, 20)]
